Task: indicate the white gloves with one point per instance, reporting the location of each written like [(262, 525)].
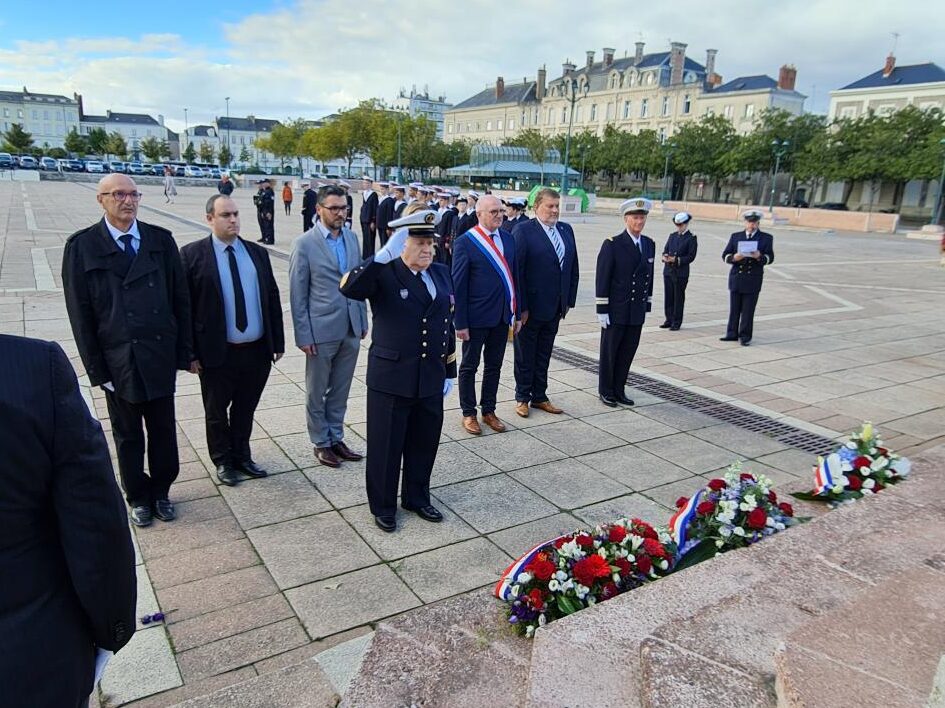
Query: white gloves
[(448, 386), (108, 386), (604, 320), (393, 248)]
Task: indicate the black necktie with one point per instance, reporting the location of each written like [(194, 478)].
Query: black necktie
[(127, 241), (237, 290)]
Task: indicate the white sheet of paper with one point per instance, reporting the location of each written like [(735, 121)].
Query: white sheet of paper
[(102, 657), (746, 247)]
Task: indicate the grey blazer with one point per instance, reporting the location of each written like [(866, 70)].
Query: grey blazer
[(320, 313)]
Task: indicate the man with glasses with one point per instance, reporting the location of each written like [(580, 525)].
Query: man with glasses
[(129, 308), (328, 326)]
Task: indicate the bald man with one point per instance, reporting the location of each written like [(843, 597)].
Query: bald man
[(129, 308)]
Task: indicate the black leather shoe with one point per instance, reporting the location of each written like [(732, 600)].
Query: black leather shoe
[(665, 325), (623, 400), (608, 401), (428, 512), (140, 516), (386, 523), (746, 342), (674, 328), (728, 339), (229, 476), (252, 469), (164, 510)]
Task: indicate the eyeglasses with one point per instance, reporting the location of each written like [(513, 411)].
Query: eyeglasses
[(335, 209), (494, 212), (120, 196)]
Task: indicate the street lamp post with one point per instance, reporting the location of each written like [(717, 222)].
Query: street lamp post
[(186, 129), (780, 147), (400, 174), (572, 96), (228, 142), (669, 153), (937, 208)]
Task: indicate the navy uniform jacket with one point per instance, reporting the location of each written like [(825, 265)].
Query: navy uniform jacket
[(466, 222), (309, 201), (369, 209), (385, 214), (413, 343), (684, 247), (446, 229), (510, 224), (624, 284), (481, 296), (547, 289), (265, 201), (746, 275), (399, 209)]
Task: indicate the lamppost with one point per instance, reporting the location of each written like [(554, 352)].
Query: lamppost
[(937, 215), (186, 129), (669, 153), (780, 147), (228, 142), (572, 96), (400, 174)]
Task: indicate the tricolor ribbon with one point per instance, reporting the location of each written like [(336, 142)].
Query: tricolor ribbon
[(484, 243), (679, 523), (826, 473), (503, 589)]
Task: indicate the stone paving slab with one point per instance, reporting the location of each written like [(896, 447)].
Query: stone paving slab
[(494, 503), (569, 483), (259, 502), (146, 665), (198, 563), (229, 621), (451, 570)]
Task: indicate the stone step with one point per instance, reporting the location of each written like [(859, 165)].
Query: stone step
[(342, 662)]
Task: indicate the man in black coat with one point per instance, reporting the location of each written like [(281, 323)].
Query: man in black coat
[(748, 252), (129, 308), (624, 292), (265, 201), (516, 215), (546, 254), (385, 212), (238, 334), (446, 228), (309, 200), (368, 218), (680, 250), (468, 219), (225, 186), (411, 365), (66, 560)]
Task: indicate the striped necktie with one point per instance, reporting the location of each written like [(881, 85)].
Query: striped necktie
[(558, 244)]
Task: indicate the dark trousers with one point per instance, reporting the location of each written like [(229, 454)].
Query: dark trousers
[(127, 431), (367, 239), (488, 343), (288, 208), (618, 345), (533, 347), (307, 222), (267, 226), (230, 395), (741, 314), (406, 429), (674, 300)]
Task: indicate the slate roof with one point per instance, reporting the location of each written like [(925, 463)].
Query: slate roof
[(514, 93), (511, 168), (16, 96), (113, 117), (901, 76), (252, 125), (203, 131), (759, 82)]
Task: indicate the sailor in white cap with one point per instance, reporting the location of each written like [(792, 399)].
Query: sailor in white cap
[(413, 192), (400, 199), (748, 252), (349, 216), (368, 217), (446, 229), (385, 212), (624, 292), (411, 365), (678, 253), (517, 216), (469, 219)]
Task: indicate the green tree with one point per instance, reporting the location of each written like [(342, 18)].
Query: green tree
[(225, 156), (447, 155), (418, 142), (16, 139), (189, 153), (206, 151), (537, 146), (97, 142), (285, 141), (705, 147), (644, 155), (116, 145), (244, 155), (151, 147), (58, 153), (75, 143)]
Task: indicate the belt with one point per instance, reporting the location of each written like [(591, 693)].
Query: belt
[(244, 345)]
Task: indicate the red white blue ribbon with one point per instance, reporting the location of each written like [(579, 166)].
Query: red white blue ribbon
[(503, 589), (679, 523), (484, 243), (825, 473)]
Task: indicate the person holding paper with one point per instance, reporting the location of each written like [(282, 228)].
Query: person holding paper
[(748, 252)]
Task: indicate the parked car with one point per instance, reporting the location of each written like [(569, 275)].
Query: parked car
[(6, 161), (28, 162), (215, 173), (49, 164), (94, 166), (136, 168), (193, 171), (117, 166), (157, 170), (68, 165), (834, 206)]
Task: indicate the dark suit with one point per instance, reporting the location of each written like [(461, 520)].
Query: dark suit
[(484, 308), (683, 246), (265, 201), (623, 291), (132, 328), (413, 352), (744, 282), (548, 290), (446, 230), (368, 217), (466, 221), (233, 376), (309, 200), (66, 560), (385, 214)]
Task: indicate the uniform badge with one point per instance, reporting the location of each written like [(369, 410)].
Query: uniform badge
[(403, 293)]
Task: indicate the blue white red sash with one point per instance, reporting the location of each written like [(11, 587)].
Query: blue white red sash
[(679, 523), (484, 243), (503, 589), (824, 471)]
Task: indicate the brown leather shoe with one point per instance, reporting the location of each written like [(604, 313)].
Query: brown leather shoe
[(345, 453), (471, 425), (521, 407), (547, 407), (327, 457), (493, 422)]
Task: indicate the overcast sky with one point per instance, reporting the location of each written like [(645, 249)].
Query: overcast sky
[(279, 59)]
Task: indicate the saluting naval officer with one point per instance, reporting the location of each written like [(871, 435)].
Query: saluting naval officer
[(679, 251), (624, 292), (411, 365), (748, 252)]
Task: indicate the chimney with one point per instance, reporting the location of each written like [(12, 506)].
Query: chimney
[(567, 67), (608, 56), (540, 87), (786, 77), (710, 61), (890, 65), (713, 80), (590, 60), (639, 55), (499, 87), (160, 120), (677, 59)]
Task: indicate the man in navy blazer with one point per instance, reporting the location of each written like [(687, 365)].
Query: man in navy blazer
[(745, 276), (484, 282), (546, 254)]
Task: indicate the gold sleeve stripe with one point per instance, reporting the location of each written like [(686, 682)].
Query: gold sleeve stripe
[(602, 300), (344, 279), (451, 358)]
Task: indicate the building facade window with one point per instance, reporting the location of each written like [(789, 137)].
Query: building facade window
[(578, 114), (610, 111), (449, 129), (593, 111), (645, 108), (488, 125), (750, 110), (728, 111), (498, 125), (564, 115), (511, 124), (524, 118), (686, 104), (665, 108), (626, 109)]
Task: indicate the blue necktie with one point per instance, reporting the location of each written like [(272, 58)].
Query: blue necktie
[(239, 296), (127, 241)]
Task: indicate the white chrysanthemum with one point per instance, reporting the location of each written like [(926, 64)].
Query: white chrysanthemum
[(770, 522), (524, 578), (554, 585), (738, 531), (635, 542), (779, 526), (542, 620), (602, 552), (869, 483), (561, 576), (664, 565), (529, 631)]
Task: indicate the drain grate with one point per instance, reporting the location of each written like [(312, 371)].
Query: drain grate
[(725, 412)]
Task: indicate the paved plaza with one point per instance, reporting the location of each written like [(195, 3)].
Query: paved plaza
[(260, 577)]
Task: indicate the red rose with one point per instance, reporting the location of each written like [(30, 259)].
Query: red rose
[(623, 564), (644, 564), (716, 485), (681, 502), (854, 482), (641, 528), (536, 600), (786, 509), (563, 540), (617, 534), (541, 568), (609, 590), (589, 569), (654, 548), (747, 475), (861, 461), (882, 450), (756, 519), (705, 508), (772, 497), (585, 541), (878, 487)]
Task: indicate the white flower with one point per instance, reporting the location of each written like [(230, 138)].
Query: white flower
[(851, 445), (516, 590), (591, 600), (542, 620), (865, 471), (567, 585), (632, 559), (615, 577), (725, 531), (529, 631), (635, 542), (770, 522), (738, 531), (602, 552), (524, 578), (719, 543), (866, 492), (561, 576), (663, 565), (869, 483), (879, 463), (779, 526), (554, 585)]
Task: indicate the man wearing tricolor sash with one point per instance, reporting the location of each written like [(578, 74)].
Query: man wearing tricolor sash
[(484, 282)]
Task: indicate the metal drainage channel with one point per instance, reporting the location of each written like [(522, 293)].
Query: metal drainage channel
[(748, 420)]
